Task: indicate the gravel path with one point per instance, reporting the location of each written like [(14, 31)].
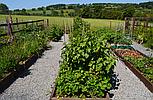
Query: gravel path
[(146, 51), (130, 87), (36, 83)]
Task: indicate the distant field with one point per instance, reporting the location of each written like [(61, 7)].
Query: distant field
[(95, 23)]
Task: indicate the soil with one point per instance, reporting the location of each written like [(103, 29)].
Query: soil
[(128, 52)]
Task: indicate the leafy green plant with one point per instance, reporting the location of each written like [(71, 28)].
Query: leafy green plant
[(145, 65), (113, 37), (79, 27), (26, 44), (86, 68), (56, 33), (144, 36)]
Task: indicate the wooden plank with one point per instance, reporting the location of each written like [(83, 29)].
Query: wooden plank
[(22, 23), (79, 98)]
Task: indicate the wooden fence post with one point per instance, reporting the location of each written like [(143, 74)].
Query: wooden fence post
[(70, 28), (72, 25), (146, 23), (47, 22), (126, 24), (65, 30), (11, 25), (110, 24), (44, 26), (17, 21), (9, 32), (133, 26)]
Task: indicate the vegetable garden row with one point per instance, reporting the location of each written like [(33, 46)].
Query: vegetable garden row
[(26, 44), (88, 62)]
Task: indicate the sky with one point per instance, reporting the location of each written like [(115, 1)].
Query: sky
[(19, 4)]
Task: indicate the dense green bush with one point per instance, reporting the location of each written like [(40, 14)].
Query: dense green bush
[(86, 68)]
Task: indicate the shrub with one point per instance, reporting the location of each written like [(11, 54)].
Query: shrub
[(86, 68)]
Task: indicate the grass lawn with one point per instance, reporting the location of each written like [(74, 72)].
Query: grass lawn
[(95, 23)]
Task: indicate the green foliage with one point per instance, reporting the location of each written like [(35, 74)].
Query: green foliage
[(87, 66), (26, 44), (114, 37), (3, 8), (149, 39), (95, 10), (56, 33), (86, 69), (79, 27), (145, 65), (148, 5), (144, 36)]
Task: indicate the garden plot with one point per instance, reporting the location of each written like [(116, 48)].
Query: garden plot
[(36, 82)]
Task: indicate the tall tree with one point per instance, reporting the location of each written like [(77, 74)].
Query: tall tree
[(3, 8)]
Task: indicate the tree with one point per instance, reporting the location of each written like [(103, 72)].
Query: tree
[(24, 10), (33, 9), (44, 12), (41, 8), (86, 12), (48, 8), (55, 13), (62, 13), (128, 12), (3, 8), (148, 5), (16, 10)]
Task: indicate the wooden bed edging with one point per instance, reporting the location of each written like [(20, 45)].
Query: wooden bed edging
[(106, 98), (139, 74), (12, 76), (52, 97)]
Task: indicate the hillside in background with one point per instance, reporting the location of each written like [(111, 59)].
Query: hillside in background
[(94, 10)]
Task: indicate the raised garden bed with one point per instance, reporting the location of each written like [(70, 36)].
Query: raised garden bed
[(134, 60), (54, 97), (86, 68), (10, 77)]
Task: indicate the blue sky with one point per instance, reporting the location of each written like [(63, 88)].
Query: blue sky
[(19, 4)]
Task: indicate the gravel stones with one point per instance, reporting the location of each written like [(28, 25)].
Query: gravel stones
[(37, 82), (148, 52), (130, 87)]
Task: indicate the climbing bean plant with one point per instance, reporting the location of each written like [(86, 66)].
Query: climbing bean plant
[(86, 68)]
